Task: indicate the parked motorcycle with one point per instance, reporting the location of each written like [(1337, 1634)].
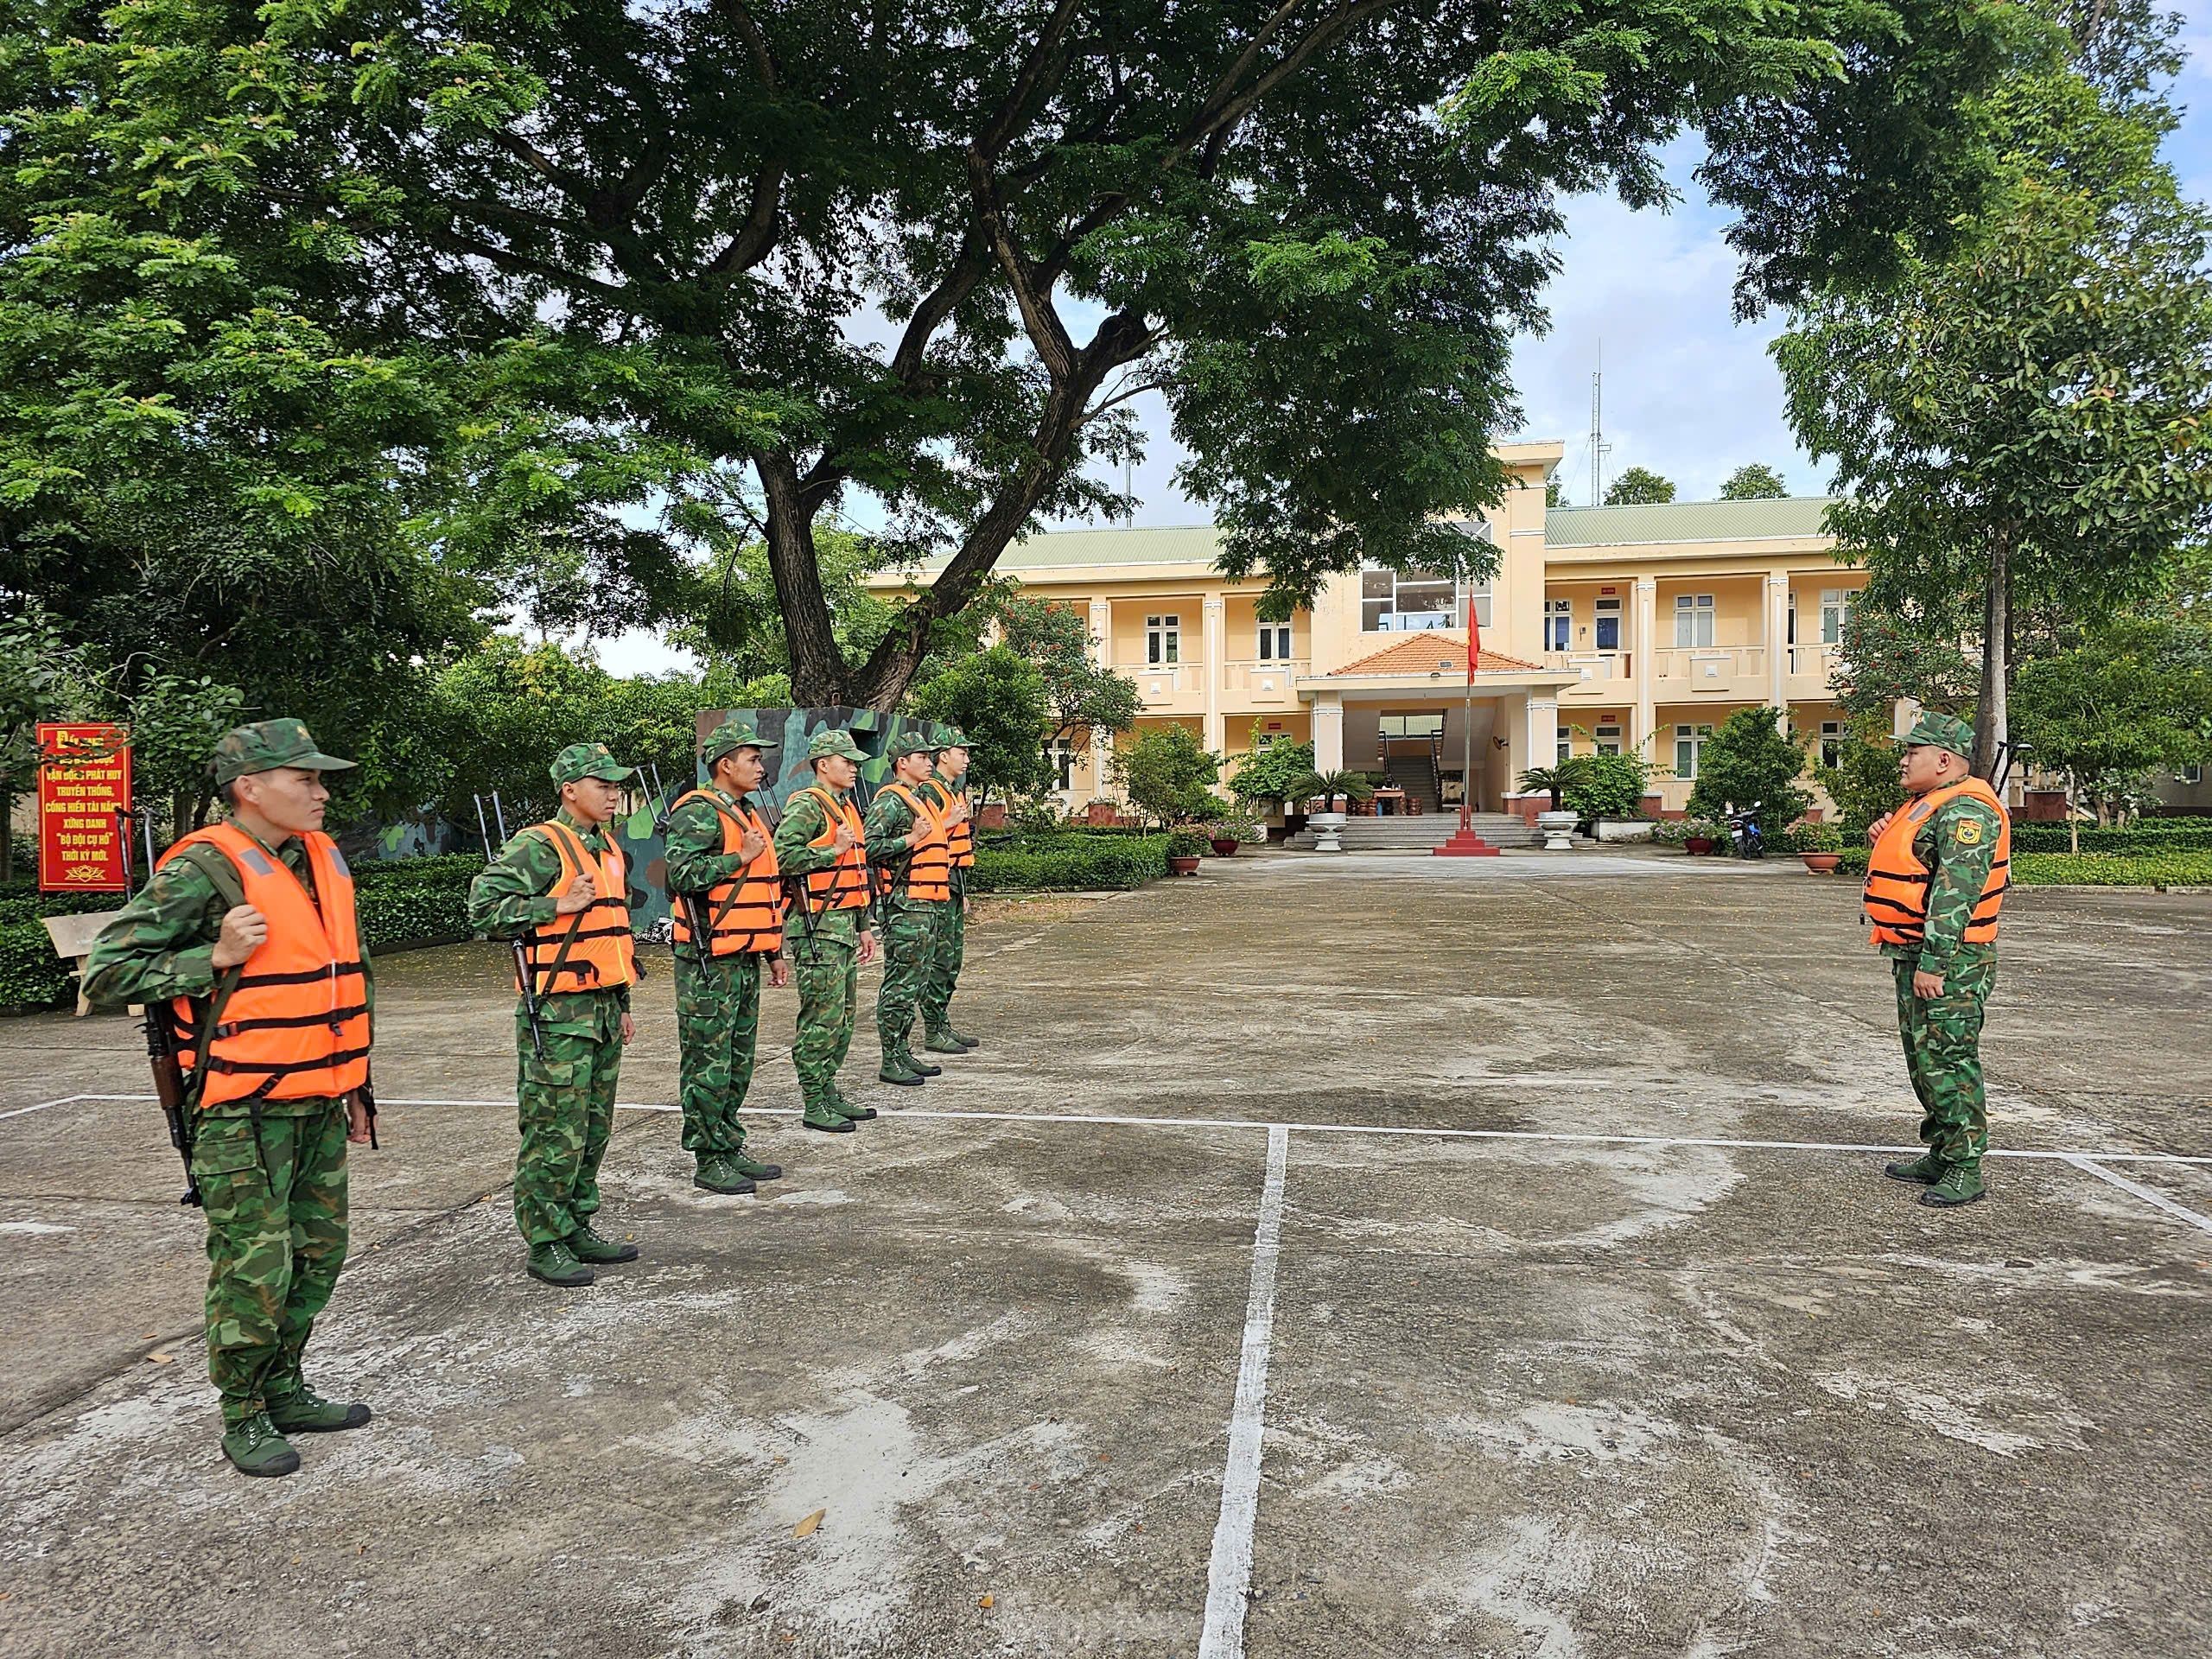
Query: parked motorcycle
[(1744, 832)]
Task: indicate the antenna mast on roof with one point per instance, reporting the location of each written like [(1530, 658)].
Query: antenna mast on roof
[(1598, 444)]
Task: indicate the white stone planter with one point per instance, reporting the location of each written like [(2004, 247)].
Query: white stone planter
[(1625, 828), (1559, 829), (1328, 831)]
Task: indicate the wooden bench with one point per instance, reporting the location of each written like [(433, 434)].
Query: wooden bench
[(73, 937)]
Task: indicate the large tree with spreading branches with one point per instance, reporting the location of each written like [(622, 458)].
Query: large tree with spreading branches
[(823, 258)]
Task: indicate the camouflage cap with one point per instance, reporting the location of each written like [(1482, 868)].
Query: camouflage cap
[(581, 761), (268, 744), (908, 743), (951, 737), (1936, 731), (730, 735), (829, 743)]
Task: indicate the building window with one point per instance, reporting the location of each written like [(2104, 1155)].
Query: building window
[(1689, 744), (2190, 775), (1059, 755), (1559, 624), (1403, 601), (1565, 748), (1268, 740), (1609, 739), (1608, 619), (1831, 742), (1163, 639), (1275, 642), (1409, 724), (1692, 621), (1835, 612)]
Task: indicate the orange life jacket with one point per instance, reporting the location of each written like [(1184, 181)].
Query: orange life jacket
[(744, 911), (296, 1024), (964, 833), (843, 885), (593, 949), (929, 865), (1895, 900)]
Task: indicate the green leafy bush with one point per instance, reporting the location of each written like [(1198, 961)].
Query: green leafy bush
[(1750, 758), (2176, 867), (418, 909), (27, 904), (1186, 843), (1596, 786), (2145, 835), (1069, 864), (1812, 838), (31, 975)]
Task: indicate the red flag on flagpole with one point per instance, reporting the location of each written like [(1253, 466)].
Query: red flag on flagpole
[(1474, 640)]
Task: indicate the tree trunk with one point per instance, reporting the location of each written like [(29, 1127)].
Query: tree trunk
[(819, 678), (7, 830), (1990, 725), (2073, 817)]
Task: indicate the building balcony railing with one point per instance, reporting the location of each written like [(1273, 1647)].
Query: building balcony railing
[(1814, 662), (1272, 682), (1715, 668), (1167, 685), (1600, 670)]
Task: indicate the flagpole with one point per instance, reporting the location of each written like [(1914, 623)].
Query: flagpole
[(1467, 737)]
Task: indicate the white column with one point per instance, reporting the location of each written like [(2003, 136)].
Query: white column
[(1645, 644), (1543, 732), (1777, 647), (1216, 669), (1101, 652), (1328, 730)]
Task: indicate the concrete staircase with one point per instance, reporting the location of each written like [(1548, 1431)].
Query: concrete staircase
[(1426, 833), (1411, 774)]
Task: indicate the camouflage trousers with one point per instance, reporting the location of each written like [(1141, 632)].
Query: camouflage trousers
[(827, 971), (1943, 1053), (276, 1207), (910, 945), (944, 968), (717, 1022), (564, 1107)]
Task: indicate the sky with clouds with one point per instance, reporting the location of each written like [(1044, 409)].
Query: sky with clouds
[(1688, 392)]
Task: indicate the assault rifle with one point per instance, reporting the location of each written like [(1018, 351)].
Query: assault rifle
[(178, 1092), (692, 912), (523, 975)]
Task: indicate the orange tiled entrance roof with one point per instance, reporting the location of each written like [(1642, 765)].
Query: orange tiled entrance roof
[(1420, 652)]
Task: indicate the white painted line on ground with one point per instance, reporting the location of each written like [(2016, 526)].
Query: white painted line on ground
[(2203, 1223), (1554, 1136), (1229, 1572), (21, 1111)]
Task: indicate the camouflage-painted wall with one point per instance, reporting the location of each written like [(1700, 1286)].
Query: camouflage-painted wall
[(792, 730)]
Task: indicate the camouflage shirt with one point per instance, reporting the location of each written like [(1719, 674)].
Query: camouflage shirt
[(1957, 846), (695, 859), (515, 893), (804, 820), (889, 821), (161, 944)]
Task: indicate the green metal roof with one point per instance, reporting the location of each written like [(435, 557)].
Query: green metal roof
[(1686, 521)]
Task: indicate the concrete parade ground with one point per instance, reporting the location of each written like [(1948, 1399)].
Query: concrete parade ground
[(1377, 1256)]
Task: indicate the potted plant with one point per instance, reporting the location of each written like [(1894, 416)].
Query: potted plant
[(1329, 788), (1185, 848), (1230, 831), (1820, 845), (1101, 809), (1558, 824), (1701, 835), (1605, 791)]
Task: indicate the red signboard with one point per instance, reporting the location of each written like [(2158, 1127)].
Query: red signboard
[(84, 803)]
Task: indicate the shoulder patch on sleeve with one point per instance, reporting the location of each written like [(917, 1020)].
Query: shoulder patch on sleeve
[(1967, 832)]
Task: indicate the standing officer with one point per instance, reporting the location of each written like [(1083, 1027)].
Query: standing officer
[(818, 851), (723, 886), (560, 886), (244, 940), (1935, 883), (944, 791), (910, 847)]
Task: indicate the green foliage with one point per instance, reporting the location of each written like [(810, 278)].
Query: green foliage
[(2174, 868), (2134, 695), (1863, 783), (1329, 787), (1895, 647), (1082, 696), (1749, 758), (436, 231), (1754, 481), (1273, 774), (1069, 863), (2018, 424), (1548, 780), (997, 699), (2143, 836), (414, 906), (1186, 843), (31, 975), (1672, 832), (1807, 837), (1595, 786), (1167, 775), (1639, 486)]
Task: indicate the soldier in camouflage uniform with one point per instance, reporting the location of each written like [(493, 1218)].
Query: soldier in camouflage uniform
[(564, 1097), (270, 1172), (944, 787), (827, 945), (913, 911), (1935, 883), (718, 997)]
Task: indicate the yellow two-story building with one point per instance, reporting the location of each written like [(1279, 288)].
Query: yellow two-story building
[(1630, 629)]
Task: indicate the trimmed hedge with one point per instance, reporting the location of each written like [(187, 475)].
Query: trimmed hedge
[(2145, 835), (31, 975), (1053, 865), (2181, 867)]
